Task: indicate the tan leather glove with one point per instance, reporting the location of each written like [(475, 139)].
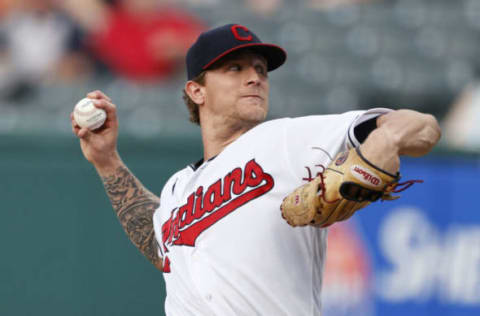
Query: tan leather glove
[(348, 184)]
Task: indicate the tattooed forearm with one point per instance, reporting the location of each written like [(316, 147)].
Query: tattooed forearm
[(134, 206)]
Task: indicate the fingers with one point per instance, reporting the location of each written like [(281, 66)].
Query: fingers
[(101, 101), (97, 94), (80, 132), (75, 127), (83, 133), (77, 130), (108, 106)]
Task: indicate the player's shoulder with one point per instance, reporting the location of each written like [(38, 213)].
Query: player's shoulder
[(306, 121), (278, 125), (273, 123), (329, 117), (286, 120), (339, 117)]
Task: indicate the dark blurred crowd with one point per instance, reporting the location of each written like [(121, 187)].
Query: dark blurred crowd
[(66, 41)]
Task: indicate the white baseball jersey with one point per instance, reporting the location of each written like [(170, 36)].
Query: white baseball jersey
[(226, 248)]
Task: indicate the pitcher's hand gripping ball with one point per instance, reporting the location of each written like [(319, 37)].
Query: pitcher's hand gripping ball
[(348, 184), (87, 115)]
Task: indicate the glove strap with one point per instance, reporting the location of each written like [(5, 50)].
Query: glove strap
[(395, 176)]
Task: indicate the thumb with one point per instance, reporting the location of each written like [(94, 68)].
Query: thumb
[(84, 133)]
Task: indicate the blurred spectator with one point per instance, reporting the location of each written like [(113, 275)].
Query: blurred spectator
[(462, 123), (266, 8), (141, 40), (5, 6), (38, 43)]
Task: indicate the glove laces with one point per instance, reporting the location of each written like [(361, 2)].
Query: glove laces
[(322, 190), (399, 187)]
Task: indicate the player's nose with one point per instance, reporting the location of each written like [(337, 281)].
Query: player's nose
[(252, 76)]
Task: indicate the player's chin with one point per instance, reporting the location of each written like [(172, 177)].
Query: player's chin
[(254, 105), (254, 115)]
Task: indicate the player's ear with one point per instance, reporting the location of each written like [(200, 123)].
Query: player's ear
[(195, 91)]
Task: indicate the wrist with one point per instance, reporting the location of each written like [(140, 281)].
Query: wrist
[(108, 164), (382, 150)]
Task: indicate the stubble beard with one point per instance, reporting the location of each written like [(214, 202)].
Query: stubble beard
[(252, 114)]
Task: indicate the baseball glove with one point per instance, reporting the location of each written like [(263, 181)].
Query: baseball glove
[(348, 184)]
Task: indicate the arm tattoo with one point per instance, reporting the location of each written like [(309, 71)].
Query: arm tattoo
[(134, 206)]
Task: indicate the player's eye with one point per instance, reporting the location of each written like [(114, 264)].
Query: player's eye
[(234, 67), (261, 70)]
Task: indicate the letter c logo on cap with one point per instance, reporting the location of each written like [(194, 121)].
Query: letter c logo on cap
[(238, 36)]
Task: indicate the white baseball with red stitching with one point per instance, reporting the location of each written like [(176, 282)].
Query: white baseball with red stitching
[(87, 115)]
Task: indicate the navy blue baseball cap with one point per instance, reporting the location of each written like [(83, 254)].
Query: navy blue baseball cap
[(214, 44)]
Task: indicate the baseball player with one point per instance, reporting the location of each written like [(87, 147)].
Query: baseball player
[(243, 230)]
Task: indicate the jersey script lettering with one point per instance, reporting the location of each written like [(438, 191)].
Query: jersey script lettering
[(206, 207)]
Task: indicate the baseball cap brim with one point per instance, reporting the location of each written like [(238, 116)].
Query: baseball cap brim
[(275, 55)]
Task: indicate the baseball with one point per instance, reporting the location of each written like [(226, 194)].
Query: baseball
[(87, 115)]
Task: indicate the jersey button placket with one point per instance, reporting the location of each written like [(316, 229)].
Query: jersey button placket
[(198, 268)]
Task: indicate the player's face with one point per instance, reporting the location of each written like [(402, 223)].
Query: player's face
[(238, 89)]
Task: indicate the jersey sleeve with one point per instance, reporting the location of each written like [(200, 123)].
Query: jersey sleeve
[(313, 141), (363, 125)]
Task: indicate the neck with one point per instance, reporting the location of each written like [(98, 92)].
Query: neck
[(216, 138)]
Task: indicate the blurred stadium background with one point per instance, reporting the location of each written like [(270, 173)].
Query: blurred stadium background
[(63, 252)]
